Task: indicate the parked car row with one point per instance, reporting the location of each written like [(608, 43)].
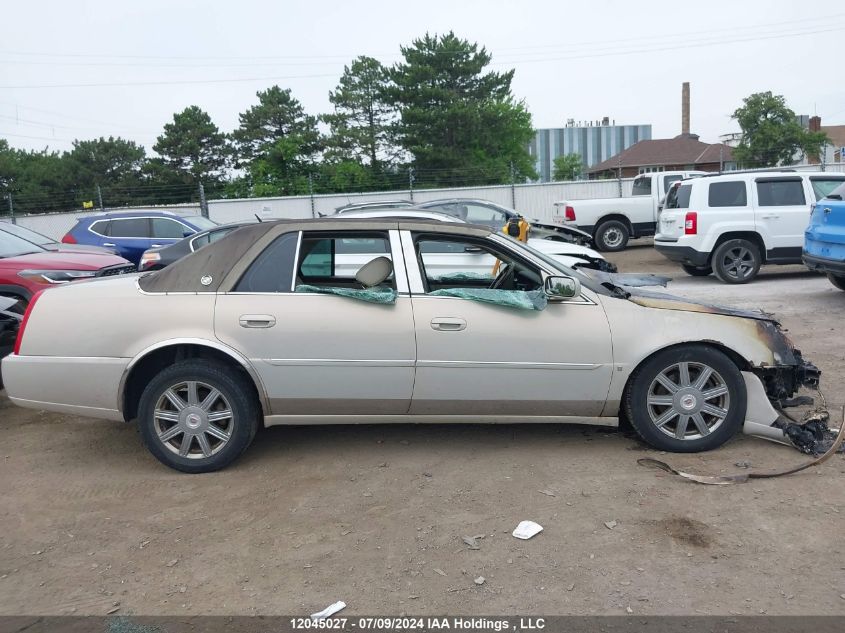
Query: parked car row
[(733, 223)]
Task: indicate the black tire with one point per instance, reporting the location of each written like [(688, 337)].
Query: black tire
[(644, 416), (736, 261), (611, 236), (238, 398), (695, 271), (837, 280)]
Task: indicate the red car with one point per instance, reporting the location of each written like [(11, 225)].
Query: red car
[(26, 268)]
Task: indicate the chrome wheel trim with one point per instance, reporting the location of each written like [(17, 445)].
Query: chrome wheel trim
[(193, 419), (612, 237), (688, 401), (738, 262)]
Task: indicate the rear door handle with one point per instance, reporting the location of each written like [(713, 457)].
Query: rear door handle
[(257, 320), (107, 244), (448, 324), (770, 217), (156, 245)]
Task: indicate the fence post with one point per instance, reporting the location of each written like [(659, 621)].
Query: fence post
[(513, 187), (100, 198), (824, 156), (203, 202), (311, 195), (411, 182), (12, 208), (619, 174)]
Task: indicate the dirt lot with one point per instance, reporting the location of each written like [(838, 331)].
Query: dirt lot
[(374, 515)]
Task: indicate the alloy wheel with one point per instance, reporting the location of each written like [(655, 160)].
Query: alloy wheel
[(193, 419), (738, 262), (688, 401)]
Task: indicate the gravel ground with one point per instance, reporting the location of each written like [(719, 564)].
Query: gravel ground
[(374, 516)]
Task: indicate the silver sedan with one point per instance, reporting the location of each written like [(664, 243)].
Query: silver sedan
[(266, 326)]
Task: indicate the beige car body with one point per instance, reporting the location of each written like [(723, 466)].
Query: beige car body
[(330, 359)]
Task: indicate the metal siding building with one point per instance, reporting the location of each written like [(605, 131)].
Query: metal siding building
[(594, 143)]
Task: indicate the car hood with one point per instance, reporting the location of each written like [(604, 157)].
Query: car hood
[(553, 247), (60, 247), (59, 260), (650, 299)]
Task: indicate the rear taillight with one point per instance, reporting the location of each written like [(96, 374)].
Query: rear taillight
[(691, 223), (24, 321), (68, 239), (569, 214)]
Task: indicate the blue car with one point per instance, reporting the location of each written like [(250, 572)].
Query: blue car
[(824, 239), (130, 233)]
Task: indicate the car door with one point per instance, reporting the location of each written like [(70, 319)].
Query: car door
[(781, 213), (476, 358), (321, 354), (130, 237)]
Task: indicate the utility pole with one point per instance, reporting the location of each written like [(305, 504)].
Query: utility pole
[(203, 202), (411, 182), (100, 198), (513, 186), (311, 195), (824, 156), (721, 158), (12, 208)]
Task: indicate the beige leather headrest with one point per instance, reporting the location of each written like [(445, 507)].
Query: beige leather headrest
[(374, 272)]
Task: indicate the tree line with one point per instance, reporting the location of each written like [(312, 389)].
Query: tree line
[(438, 117)]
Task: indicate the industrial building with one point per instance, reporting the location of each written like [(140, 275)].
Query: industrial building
[(594, 141)]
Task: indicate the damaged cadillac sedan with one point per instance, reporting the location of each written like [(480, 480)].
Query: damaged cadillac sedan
[(265, 327)]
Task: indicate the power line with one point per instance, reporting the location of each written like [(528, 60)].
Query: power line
[(606, 53)]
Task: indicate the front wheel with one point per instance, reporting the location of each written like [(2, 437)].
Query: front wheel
[(837, 280), (611, 236), (686, 399), (696, 271), (198, 416)]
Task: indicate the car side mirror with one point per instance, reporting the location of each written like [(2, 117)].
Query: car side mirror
[(187, 233), (560, 288)]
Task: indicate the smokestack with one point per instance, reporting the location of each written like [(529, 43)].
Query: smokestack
[(685, 108)]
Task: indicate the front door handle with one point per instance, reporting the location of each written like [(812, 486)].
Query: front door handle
[(769, 217), (107, 244), (448, 324), (257, 320), (156, 245)]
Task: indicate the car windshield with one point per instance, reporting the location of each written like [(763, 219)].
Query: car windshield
[(12, 245), (200, 222), (26, 234)]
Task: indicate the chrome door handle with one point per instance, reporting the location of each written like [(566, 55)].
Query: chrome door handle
[(257, 320), (450, 324), (156, 245), (107, 244), (769, 217)]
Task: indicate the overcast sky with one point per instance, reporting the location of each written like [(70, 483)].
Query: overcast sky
[(578, 60)]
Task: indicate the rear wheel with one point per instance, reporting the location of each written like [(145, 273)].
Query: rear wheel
[(696, 271), (736, 261), (198, 416), (838, 281), (612, 235), (686, 399)]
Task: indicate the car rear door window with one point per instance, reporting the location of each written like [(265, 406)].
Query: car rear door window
[(727, 194), (780, 193), (166, 228), (327, 259), (822, 187), (130, 227), (272, 270)]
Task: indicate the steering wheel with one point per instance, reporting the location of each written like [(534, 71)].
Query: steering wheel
[(505, 277)]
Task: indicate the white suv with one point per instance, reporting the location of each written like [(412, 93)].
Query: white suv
[(731, 224)]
